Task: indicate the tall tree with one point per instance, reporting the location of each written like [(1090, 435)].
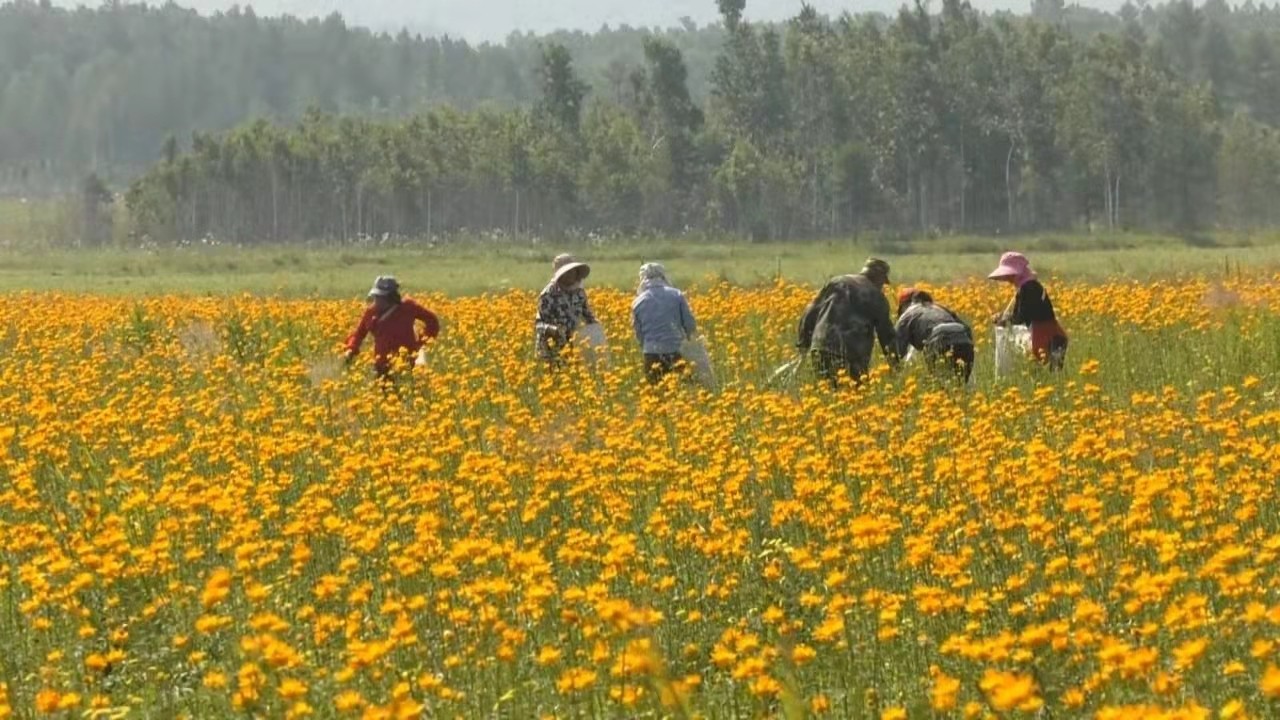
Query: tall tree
[(731, 12), (1179, 43), (1106, 121), (672, 122), (1249, 174), (562, 90), (1260, 66), (815, 111)]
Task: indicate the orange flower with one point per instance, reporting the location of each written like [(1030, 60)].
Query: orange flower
[(48, 701), (575, 680), (1009, 691), (1270, 683), (945, 691)]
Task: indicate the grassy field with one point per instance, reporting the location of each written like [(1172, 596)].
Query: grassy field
[(471, 268), (205, 517)]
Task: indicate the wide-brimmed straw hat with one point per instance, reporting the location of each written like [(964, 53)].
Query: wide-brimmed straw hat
[(561, 260), (571, 267)]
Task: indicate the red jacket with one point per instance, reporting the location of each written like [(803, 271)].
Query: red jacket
[(393, 331)]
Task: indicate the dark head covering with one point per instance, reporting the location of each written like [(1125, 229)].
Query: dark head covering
[(876, 269)]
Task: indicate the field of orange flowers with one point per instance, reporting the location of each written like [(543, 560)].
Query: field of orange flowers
[(203, 515)]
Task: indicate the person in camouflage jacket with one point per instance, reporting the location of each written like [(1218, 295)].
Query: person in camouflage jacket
[(841, 325)]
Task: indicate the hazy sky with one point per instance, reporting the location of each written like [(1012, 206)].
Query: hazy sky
[(478, 20)]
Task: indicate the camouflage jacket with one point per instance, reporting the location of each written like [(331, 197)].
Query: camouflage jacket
[(560, 313), (847, 316)]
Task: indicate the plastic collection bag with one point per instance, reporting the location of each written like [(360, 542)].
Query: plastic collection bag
[(594, 345), (786, 374), (1013, 343), (694, 351)]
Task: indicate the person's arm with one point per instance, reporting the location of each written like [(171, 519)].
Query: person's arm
[(545, 309), (885, 332), (431, 323), (901, 331), (635, 321), (588, 317), (809, 320), (1003, 317), (686, 318), (357, 336), (1014, 315)]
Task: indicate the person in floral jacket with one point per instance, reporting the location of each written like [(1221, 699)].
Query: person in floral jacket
[(562, 309)]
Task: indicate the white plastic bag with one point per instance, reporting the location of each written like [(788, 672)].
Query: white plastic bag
[(1012, 344), (786, 375), (594, 345), (694, 351)]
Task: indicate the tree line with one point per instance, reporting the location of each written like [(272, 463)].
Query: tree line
[(1157, 117), (818, 128), (100, 88)]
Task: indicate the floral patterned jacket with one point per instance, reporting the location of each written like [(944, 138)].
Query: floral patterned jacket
[(560, 313)]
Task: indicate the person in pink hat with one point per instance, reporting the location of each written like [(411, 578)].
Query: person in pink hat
[(1032, 308)]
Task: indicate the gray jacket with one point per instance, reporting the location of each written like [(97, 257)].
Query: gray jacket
[(931, 327), (662, 319)]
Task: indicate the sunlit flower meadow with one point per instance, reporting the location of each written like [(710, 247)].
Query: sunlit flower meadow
[(204, 514)]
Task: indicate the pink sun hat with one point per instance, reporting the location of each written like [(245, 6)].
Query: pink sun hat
[(1013, 265)]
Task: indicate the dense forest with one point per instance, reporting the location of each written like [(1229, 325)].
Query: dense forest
[(102, 88), (1157, 117)]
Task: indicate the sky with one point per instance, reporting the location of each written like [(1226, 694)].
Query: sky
[(493, 20)]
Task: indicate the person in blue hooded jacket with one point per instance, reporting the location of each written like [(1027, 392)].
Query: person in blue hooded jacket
[(662, 321)]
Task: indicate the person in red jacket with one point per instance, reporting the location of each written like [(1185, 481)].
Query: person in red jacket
[(391, 319)]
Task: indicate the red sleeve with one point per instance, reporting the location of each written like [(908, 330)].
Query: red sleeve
[(357, 336), (428, 319)]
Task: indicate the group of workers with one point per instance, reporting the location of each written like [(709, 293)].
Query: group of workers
[(660, 314), (837, 331), (850, 313)]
